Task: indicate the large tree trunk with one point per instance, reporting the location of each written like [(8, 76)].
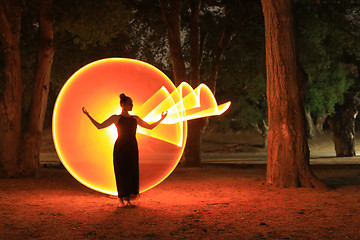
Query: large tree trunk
[(11, 96), (32, 135), (172, 22), (194, 43), (192, 154), (288, 152)]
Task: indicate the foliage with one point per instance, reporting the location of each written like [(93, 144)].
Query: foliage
[(242, 77), (327, 34), (91, 23), (323, 42), (89, 30)]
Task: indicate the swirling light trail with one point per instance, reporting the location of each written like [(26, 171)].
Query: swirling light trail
[(87, 152)]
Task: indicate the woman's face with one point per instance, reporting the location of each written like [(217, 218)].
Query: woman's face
[(128, 105)]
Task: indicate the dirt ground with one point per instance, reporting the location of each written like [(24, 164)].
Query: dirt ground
[(210, 202)]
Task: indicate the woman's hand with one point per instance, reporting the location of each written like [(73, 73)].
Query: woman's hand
[(85, 111), (164, 114)]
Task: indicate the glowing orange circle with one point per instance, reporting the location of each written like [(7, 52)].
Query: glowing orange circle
[(85, 151)]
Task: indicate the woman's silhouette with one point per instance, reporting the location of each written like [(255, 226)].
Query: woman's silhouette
[(126, 154)]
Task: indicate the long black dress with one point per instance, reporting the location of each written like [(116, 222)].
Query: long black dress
[(126, 158)]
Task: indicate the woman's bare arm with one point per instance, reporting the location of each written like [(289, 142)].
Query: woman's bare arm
[(144, 124), (112, 119)]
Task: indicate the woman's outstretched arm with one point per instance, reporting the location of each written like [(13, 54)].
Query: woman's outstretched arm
[(105, 124), (144, 124)]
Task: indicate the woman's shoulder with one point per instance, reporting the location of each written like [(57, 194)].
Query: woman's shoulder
[(136, 117), (115, 117)]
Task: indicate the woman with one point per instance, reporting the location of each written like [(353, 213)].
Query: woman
[(126, 154)]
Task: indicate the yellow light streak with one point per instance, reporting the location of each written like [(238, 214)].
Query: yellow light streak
[(87, 152)]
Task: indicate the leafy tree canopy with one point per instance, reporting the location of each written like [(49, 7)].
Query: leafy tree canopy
[(93, 22), (325, 36)]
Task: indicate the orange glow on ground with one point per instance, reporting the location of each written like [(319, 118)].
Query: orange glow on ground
[(86, 152)]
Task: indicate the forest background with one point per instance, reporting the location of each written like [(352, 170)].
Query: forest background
[(220, 43)]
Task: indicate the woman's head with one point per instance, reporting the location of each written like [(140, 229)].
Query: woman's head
[(126, 102)]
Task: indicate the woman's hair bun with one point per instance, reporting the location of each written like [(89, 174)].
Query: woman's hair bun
[(123, 96)]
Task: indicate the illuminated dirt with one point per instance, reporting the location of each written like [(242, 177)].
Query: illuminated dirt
[(205, 203), (211, 202)]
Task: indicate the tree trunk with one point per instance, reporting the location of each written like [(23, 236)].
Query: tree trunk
[(320, 120), (315, 128), (192, 152), (11, 96), (223, 42), (288, 152), (194, 43), (310, 124), (172, 22), (343, 131), (263, 129), (32, 136)]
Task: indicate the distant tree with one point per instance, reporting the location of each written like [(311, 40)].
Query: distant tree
[(172, 20), (242, 78), (344, 16), (321, 45), (342, 125), (222, 17), (197, 34), (288, 152)]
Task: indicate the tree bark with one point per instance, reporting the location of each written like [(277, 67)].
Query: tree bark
[(194, 43), (32, 135), (11, 96), (319, 124), (263, 129), (192, 153), (316, 128), (310, 124), (172, 22), (343, 130), (288, 151), (223, 42)]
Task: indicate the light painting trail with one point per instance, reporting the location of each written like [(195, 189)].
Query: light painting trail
[(87, 152)]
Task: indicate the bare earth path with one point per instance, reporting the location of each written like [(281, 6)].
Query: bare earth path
[(211, 202), (207, 203)]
